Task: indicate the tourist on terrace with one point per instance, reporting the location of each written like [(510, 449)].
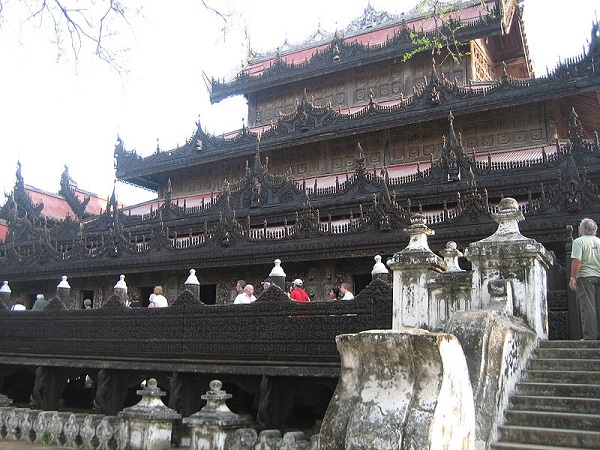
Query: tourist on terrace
[(158, 300), (585, 278), (334, 293), (87, 304), (298, 293), (239, 289), (246, 296), (345, 291), (19, 305), (266, 284), (40, 303), (135, 301)]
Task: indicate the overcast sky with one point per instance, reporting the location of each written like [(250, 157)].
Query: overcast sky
[(53, 112)]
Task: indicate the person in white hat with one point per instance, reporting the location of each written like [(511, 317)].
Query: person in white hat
[(298, 293)]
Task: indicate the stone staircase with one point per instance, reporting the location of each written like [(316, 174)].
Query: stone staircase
[(557, 403)]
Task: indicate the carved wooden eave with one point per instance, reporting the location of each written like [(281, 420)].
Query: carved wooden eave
[(309, 123), (19, 203), (343, 54), (67, 190), (365, 212)]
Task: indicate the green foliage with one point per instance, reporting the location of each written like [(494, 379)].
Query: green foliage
[(46, 437), (443, 41)]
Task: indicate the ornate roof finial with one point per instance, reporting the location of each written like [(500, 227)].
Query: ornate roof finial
[(575, 128)]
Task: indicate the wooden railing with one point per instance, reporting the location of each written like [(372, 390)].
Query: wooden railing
[(271, 337)]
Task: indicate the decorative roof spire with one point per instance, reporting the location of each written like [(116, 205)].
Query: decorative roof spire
[(575, 128)]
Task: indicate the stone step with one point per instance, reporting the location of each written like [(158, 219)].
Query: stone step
[(521, 446), (568, 353), (569, 344), (559, 389), (556, 404), (590, 365), (549, 436), (572, 421), (561, 376)]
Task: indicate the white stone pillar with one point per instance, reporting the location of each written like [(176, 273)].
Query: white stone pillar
[(412, 268), (522, 262), (5, 292), (193, 284), (149, 424), (379, 272), (277, 275), (121, 289), (63, 290)]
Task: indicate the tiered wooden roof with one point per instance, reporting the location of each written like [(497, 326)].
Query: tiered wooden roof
[(376, 37)]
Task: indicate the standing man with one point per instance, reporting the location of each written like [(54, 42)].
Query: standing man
[(585, 277), (40, 303), (298, 293), (246, 296), (345, 292)]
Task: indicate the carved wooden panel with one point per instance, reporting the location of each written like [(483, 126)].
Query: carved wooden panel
[(385, 80), (483, 66)]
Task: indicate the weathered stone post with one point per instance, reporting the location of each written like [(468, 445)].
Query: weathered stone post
[(192, 284), (278, 275), (379, 272), (121, 289), (521, 262), (412, 268), (5, 295), (63, 291), (215, 424), (148, 424), (405, 389)]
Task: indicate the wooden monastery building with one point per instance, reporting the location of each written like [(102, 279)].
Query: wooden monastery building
[(346, 137)]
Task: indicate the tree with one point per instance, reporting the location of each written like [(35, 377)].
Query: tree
[(444, 40), (78, 25)]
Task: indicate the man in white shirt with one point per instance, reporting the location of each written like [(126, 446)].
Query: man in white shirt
[(247, 296), (157, 300), (345, 291)]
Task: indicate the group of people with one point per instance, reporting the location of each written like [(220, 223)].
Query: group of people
[(341, 293), (294, 289), (39, 304)]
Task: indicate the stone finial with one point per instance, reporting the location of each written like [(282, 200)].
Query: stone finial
[(277, 270), (378, 267), (508, 217), (5, 293), (5, 401), (277, 274), (121, 283), (5, 287), (379, 272), (216, 406), (63, 291), (192, 278), (214, 423), (149, 423), (151, 389), (418, 232), (451, 255), (64, 284), (192, 284), (215, 397)]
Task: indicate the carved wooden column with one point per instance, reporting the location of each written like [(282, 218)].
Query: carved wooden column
[(111, 392), (48, 387)]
